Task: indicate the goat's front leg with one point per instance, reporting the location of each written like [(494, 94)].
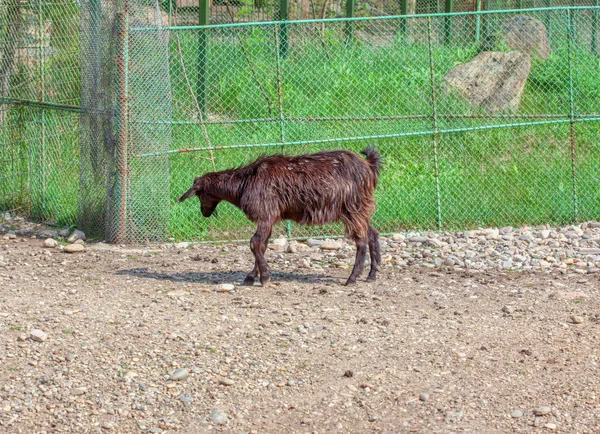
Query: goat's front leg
[(258, 245)]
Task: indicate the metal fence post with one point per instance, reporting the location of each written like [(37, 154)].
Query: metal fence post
[(404, 13), (349, 30), (203, 20), (42, 97), (595, 29), (477, 21), (122, 142), (570, 37), (448, 21), (434, 126), (284, 15)]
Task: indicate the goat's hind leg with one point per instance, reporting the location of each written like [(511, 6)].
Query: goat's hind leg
[(374, 252)]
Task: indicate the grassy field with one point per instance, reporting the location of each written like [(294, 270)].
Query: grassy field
[(328, 94)]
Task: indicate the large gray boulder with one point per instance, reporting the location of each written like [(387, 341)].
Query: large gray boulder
[(491, 80), (525, 34)]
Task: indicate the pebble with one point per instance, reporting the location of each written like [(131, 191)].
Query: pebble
[(38, 335), (179, 374), (47, 234), (550, 425), (50, 243), (78, 391), (508, 309), (218, 416), (226, 381), (186, 398), (448, 262), (76, 235), (516, 414), (74, 248), (225, 287), (331, 245), (542, 411), (182, 245), (424, 397), (576, 319), (107, 425), (291, 382)]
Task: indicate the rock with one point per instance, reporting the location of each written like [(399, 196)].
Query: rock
[(38, 335), (292, 247), (78, 391), (508, 309), (331, 245), (107, 425), (542, 411), (305, 263), (545, 234), (182, 245), (492, 81), (417, 239), (226, 381), (74, 248), (218, 416), (568, 295), (4, 229), (282, 241), (398, 237), (589, 251), (76, 235), (526, 35), (291, 382), (186, 398), (225, 287), (50, 243), (179, 374), (437, 262), (424, 397), (576, 319), (313, 243), (593, 225), (46, 234), (448, 262), (64, 232), (550, 425), (25, 233), (516, 414)]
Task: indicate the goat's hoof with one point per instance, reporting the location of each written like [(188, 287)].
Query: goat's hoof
[(350, 282), (371, 279), (248, 281)]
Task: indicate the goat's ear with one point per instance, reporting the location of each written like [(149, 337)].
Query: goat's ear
[(189, 193)]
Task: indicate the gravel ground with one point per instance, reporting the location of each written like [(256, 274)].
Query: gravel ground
[(489, 331)]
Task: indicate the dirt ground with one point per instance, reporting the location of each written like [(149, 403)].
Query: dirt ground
[(421, 350)]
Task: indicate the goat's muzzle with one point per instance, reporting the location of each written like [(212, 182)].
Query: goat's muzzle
[(187, 194)]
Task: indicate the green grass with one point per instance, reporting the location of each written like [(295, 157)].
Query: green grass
[(506, 176)]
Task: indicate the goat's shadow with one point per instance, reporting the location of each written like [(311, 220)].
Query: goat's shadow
[(215, 277)]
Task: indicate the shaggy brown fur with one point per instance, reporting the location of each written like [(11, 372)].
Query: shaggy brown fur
[(313, 189)]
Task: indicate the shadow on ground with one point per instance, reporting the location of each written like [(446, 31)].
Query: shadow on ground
[(216, 277)]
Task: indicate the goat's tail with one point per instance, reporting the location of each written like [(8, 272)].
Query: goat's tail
[(374, 160)]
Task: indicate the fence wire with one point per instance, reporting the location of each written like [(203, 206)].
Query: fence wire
[(483, 119)]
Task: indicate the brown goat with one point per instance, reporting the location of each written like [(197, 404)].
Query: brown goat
[(314, 189)]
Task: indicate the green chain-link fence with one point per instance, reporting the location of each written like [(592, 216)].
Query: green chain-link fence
[(161, 104)]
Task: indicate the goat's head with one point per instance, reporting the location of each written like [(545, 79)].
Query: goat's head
[(208, 202)]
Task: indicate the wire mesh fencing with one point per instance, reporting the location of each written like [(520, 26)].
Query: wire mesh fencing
[(483, 119)]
